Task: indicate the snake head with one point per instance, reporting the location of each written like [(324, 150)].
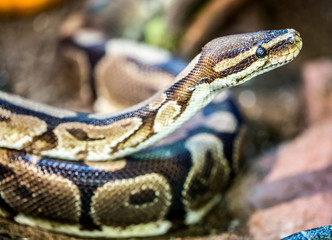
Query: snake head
[(237, 58)]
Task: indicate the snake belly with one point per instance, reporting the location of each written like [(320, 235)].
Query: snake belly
[(144, 193)]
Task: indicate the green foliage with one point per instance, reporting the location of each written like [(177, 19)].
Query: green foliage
[(156, 33)]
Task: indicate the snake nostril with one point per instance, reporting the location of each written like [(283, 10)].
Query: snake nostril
[(291, 39)]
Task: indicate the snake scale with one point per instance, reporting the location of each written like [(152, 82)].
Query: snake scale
[(56, 168)]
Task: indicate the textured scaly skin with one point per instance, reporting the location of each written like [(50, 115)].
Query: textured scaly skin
[(145, 193)]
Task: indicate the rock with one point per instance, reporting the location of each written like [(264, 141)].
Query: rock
[(292, 216), (296, 193)]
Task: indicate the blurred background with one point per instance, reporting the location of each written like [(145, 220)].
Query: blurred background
[(286, 183)]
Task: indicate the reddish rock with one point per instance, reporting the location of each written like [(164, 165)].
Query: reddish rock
[(317, 77), (289, 190), (301, 167), (296, 215)]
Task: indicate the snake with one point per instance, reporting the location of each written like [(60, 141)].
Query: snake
[(142, 170)]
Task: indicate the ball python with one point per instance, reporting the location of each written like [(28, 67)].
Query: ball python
[(106, 175), (319, 233)]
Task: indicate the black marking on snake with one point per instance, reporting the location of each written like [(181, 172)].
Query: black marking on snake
[(279, 45), (172, 94), (239, 67), (4, 119), (23, 191), (142, 197), (208, 166), (94, 52), (201, 81), (49, 138), (6, 172), (6, 206), (148, 120), (81, 135), (199, 186)]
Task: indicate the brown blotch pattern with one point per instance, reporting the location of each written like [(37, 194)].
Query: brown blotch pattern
[(166, 115), (143, 133), (123, 202), (17, 130), (78, 138), (34, 192)]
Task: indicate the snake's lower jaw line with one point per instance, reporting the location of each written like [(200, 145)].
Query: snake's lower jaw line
[(286, 58)]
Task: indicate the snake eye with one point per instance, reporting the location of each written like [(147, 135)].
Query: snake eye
[(260, 52)]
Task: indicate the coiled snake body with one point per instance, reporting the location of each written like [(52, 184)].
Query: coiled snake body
[(55, 165)]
